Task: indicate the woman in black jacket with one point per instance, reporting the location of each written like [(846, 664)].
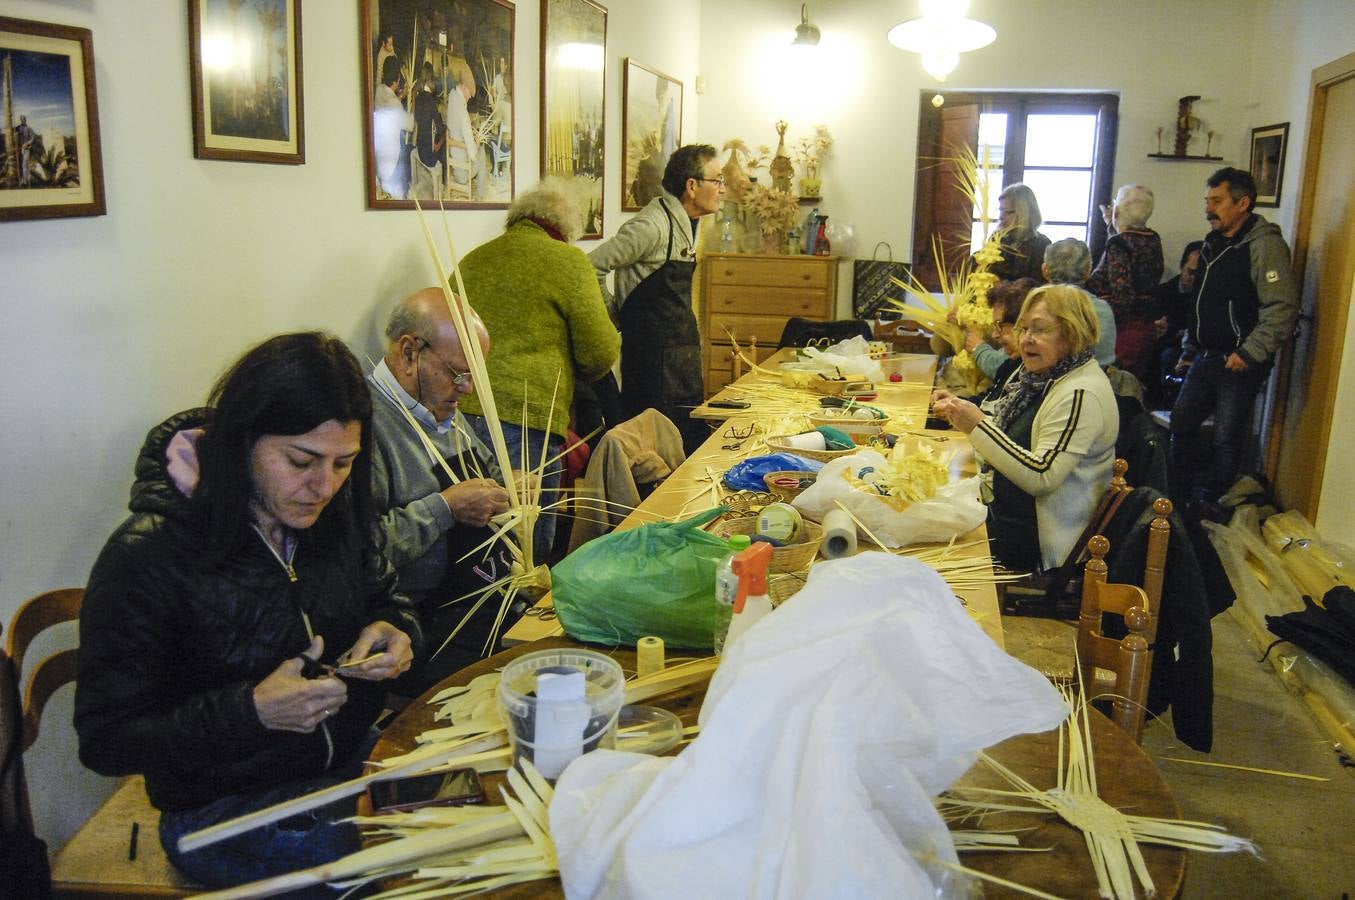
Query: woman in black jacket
[(247, 557)]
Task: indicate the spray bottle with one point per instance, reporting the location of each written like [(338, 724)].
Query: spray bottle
[(751, 603), (727, 589)]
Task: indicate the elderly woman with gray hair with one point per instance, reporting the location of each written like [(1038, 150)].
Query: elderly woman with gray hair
[(1128, 274), (1048, 439), (542, 306)]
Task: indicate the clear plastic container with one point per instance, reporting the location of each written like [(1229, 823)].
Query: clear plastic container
[(913, 368), (559, 704)]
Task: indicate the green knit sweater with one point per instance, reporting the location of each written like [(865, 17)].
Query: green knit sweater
[(540, 301)]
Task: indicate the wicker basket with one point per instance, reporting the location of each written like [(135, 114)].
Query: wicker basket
[(850, 425), (782, 587), (783, 492), (790, 558), (777, 444)]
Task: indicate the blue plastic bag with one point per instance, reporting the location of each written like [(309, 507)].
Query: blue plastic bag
[(747, 475)]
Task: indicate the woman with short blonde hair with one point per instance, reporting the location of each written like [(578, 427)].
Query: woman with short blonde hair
[(1022, 244), (1048, 440)]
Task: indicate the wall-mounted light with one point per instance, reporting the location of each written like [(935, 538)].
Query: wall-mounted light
[(806, 35), (941, 35)]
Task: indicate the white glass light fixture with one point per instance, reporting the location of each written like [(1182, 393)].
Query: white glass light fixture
[(941, 35)]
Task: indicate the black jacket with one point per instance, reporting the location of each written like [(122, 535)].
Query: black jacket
[(1247, 297), (170, 650)]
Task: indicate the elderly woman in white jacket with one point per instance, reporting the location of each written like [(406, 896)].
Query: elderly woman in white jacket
[(1049, 437)]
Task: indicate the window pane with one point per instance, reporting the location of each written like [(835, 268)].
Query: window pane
[(1059, 232), (1062, 195), (993, 136), (1058, 140)]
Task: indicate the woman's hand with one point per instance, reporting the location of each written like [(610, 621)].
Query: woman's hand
[(959, 413), (288, 701), (382, 651), (940, 394)]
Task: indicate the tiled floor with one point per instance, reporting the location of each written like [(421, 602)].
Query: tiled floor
[(1304, 830)]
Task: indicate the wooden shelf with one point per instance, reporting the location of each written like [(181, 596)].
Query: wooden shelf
[(1187, 158)]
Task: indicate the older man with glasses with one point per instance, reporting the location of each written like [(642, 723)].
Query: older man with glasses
[(427, 524), (654, 256)]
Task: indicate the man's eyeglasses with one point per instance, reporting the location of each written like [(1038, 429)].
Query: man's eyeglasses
[(720, 180), (460, 379)]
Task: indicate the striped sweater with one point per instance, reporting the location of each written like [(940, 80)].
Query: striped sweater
[(1068, 465)]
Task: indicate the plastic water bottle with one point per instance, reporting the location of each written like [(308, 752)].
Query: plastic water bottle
[(726, 589)]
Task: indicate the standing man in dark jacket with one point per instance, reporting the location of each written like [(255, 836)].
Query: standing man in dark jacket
[(1245, 307)]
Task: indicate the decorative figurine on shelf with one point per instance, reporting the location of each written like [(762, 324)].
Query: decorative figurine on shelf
[(1159, 140), (1209, 143), (809, 153), (1185, 122), (777, 212), (781, 169)]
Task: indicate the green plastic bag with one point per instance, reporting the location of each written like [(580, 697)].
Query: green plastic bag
[(658, 579)]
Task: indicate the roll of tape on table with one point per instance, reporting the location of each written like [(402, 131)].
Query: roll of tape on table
[(839, 534), (649, 655)]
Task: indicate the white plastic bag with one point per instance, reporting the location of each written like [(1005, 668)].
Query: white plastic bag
[(826, 732), (955, 510), (850, 357)]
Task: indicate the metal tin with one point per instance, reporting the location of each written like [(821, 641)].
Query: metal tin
[(780, 521)]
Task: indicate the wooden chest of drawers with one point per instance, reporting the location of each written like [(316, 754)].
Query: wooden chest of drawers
[(751, 297)]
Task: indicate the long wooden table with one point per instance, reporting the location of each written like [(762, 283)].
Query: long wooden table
[(1127, 779), (690, 489)]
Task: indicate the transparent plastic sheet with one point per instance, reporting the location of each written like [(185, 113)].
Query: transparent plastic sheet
[(1255, 601)]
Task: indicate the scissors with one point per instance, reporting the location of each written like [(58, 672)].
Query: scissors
[(544, 613)]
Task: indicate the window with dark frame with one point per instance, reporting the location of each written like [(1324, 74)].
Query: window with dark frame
[(1061, 145)]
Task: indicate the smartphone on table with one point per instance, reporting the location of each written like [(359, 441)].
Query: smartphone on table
[(459, 787)]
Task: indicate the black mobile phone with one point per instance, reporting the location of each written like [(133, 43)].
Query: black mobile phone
[(459, 787), (728, 404), (935, 424)]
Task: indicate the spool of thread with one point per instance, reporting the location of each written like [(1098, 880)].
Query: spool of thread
[(839, 535), (649, 655)]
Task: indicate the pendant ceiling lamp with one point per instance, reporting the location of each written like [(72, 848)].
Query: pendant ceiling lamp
[(941, 35), (806, 35)]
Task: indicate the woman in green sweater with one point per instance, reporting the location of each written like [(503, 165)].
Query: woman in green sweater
[(541, 303)]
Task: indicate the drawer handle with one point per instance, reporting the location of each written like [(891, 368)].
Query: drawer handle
[(729, 271)]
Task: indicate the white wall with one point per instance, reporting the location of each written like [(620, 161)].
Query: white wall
[(866, 91), (114, 322), (1291, 41)]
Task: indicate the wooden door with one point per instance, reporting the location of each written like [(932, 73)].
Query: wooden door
[(1315, 413), (942, 210)]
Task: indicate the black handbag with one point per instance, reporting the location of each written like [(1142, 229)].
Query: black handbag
[(871, 285)]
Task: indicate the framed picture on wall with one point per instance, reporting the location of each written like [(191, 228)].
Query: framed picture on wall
[(1268, 146), (52, 164), (651, 129), (573, 132), (437, 85), (245, 68)]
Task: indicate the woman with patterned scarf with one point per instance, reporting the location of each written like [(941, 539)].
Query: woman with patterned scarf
[(1048, 440)]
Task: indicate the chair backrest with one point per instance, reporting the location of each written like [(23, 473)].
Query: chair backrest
[(1129, 657), (802, 332), (34, 617)]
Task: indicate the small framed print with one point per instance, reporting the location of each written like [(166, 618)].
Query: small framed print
[(1268, 147), (573, 126), (52, 164), (245, 68)]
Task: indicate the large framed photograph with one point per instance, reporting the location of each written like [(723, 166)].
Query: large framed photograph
[(573, 69), (245, 66), (438, 80), (52, 163), (1268, 146), (651, 129)]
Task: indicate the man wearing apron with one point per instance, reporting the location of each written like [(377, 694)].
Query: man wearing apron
[(654, 256)]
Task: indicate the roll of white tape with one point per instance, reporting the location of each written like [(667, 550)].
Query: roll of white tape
[(839, 535)]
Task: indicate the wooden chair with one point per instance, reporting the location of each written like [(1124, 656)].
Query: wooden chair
[(1129, 659), (95, 862), (1039, 593)]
